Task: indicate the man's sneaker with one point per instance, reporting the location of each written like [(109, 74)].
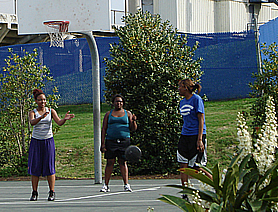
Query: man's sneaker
[(127, 188), (185, 197), (51, 195), (34, 196), (105, 188)]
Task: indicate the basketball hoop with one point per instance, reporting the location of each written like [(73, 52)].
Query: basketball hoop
[(57, 31)]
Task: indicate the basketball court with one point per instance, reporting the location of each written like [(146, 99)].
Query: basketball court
[(83, 17), (84, 195)]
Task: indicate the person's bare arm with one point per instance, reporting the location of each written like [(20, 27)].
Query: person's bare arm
[(103, 132), (132, 121), (59, 121), (200, 145), (33, 120)]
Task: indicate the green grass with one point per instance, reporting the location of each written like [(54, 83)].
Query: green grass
[(222, 129), (74, 141)]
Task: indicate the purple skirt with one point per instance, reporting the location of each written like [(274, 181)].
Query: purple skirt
[(41, 160)]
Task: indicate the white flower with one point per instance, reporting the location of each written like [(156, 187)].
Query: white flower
[(263, 148)]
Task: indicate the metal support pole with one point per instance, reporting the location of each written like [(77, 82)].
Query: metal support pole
[(96, 104)]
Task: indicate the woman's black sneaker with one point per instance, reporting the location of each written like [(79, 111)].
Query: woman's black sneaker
[(51, 196), (34, 196)]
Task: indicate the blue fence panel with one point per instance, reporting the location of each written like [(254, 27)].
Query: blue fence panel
[(229, 61), (269, 33)]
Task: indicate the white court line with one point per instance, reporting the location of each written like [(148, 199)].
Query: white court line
[(89, 197), (109, 194), (79, 202)]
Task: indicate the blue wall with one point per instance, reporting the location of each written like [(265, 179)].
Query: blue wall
[(229, 61)]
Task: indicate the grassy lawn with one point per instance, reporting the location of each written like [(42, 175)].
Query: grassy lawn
[(74, 142), (222, 129), (75, 145)]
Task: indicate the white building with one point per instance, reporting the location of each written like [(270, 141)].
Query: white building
[(188, 16), (208, 16)]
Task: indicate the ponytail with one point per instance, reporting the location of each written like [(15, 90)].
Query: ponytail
[(37, 92), (197, 87), (190, 85)]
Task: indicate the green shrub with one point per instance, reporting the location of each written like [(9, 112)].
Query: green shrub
[(240, 190), (145, 68), (265, 84)]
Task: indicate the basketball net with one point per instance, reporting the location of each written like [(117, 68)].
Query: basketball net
[(57, 31)]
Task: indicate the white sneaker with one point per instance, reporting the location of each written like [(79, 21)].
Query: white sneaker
[(105, 188), (127, 188)]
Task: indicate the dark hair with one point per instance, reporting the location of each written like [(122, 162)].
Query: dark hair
[(191, 86), (37, 92), (118, 95)]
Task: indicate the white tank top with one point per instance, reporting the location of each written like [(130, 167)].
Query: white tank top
[(43, 129)]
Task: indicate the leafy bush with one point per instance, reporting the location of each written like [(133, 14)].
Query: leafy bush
[(265, 84), (239, 191), (145, 68)]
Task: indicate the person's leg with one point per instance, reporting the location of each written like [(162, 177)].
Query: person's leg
[(108, 170), (35, 182), (184, 177), (124, 170), (51, 182)]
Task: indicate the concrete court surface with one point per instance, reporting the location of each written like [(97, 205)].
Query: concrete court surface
[(84, 195)]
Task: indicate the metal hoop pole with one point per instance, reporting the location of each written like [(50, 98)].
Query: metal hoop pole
[(96, 105)]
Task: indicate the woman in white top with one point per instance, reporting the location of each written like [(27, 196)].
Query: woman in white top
[(41, 160)]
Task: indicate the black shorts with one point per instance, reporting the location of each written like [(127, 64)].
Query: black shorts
[(116, 148), (187, 146)]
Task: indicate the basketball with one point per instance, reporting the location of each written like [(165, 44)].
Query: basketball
[(133, 154)]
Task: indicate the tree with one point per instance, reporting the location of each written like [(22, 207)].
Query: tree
[(20, 76), (265, 84), (145, 67)]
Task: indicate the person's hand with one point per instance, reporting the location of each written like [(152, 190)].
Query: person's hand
[(102, 148), (44, 115), (134, 118), (200, 145), (69, 116)]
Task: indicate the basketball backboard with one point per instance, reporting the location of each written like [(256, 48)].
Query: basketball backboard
[(84, 15)]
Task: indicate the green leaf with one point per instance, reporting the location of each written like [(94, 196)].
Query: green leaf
[(230, 185), (198, 175), (255, 204), (205, 195), (235, 160), (178, 202), (249, 180), (205, 168), (215, 207), (272, 169), (242, 166), (216, 179), (272, 185)]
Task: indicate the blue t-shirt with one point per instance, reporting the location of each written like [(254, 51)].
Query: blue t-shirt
[(189, 110), (118, 127)]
